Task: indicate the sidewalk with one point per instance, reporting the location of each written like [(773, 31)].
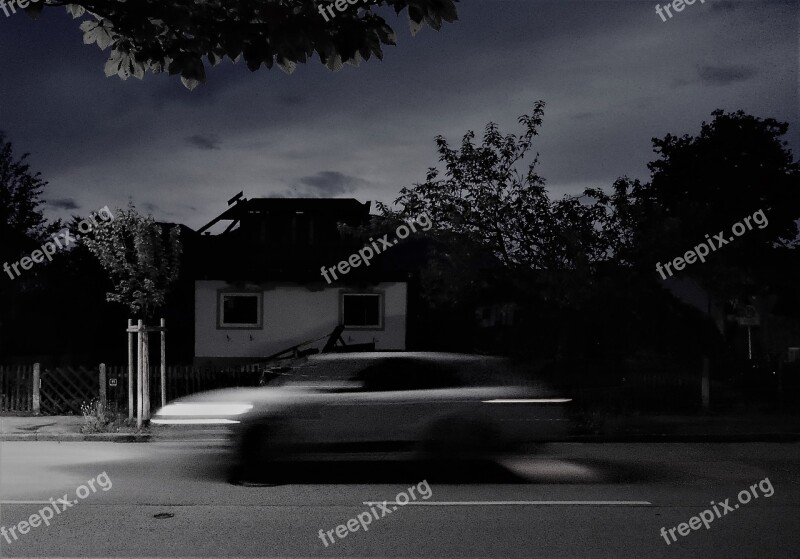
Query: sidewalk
[(748, 428), (68, 428), (700, 428)]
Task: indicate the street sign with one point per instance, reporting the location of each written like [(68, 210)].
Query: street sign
[(112, 382), (749, 317)]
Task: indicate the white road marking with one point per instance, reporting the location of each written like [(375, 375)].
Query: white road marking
[(521, 503)]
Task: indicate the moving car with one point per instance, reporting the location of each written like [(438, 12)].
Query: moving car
[(441, 405)]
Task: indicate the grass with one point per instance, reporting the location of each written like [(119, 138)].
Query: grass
[(98, 418)]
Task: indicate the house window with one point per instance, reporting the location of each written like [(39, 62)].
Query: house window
[(362, 310), (240, 310)]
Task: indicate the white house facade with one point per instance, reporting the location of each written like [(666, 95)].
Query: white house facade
[(250, 321)]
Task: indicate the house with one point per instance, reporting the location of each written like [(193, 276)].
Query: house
[(259, 289)]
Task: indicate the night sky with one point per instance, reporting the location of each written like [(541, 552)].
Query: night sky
[(612, 74)]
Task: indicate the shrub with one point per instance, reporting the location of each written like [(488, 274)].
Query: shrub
[(97, 418)]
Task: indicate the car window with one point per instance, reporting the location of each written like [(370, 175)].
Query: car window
[(489, 371), (407, 374), (319, 370)]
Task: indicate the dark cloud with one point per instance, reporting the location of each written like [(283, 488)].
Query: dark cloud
[(724, 75), (331, 183), (203, 141), (64, 203)]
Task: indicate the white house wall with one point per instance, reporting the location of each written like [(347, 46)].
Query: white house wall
[(291, 314)]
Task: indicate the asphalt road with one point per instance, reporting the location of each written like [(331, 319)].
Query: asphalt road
[(567, 500)]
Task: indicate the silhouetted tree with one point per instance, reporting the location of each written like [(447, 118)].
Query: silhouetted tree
[(493, 206), (702, 185), (23, 228)]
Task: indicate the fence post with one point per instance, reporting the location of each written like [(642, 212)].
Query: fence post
[(704, 385), (140, 375), (37, 382), (163, 363), (780, 384), (131, 360), (146, 377), (103, 397)]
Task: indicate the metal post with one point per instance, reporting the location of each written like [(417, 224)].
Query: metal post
[(163, 363), (139, 375), (37, 386), (131, 361), (103, 397), (146, 384), (780, 383)]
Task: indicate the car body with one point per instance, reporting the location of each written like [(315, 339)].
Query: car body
[(381, 403)]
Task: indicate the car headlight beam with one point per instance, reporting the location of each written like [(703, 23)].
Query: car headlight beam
[(528, 401), (201, 409)]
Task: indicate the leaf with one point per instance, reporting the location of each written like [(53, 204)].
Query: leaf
[(124, 65), (137, 68), (414, 26), (215, 57), (334, 62), (356, 60), (112, 64), (415, 18), (193, 73), (96, 32), (448, 11), (75, 10), (388, 36), (158, 66), (287, 66)]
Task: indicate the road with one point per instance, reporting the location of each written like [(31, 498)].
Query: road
[(567, 500)]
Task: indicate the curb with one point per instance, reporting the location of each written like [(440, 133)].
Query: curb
[(678, 438), (594, 439), (76, 437)]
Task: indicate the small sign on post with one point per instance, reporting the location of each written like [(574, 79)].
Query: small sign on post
[(748, 317), (112, 382)]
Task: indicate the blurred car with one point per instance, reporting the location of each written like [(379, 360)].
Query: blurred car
[(439, 405)]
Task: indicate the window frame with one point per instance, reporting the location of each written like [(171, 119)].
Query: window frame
[(381, 309), (221, 294)]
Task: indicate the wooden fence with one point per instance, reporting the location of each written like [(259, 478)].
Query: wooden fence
[(62, 390), (16, 388)]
